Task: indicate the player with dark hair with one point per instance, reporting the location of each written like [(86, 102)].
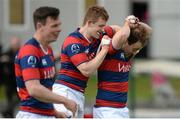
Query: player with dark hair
[(35, 71)]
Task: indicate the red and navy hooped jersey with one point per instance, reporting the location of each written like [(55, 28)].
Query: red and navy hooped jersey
[(76, 50), (113, 75), (31, 63)]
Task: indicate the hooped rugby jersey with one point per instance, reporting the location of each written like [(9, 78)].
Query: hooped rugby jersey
[(113, 76), (31, 63), (76, 50)]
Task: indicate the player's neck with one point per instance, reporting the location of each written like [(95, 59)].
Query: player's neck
[(42, 41), (84, 32)]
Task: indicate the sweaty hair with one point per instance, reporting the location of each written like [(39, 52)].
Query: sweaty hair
[(41, 14), (138, 34), (94, 13)]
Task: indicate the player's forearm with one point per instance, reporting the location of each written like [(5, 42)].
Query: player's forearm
[(121, 36), (88, 68), (45, 95)]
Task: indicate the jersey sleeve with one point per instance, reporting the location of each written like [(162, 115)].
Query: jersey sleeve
[(108, 30), (76, 51), (29, 63)]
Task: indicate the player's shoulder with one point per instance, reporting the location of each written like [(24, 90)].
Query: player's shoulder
[(31, 47), (71, 40)]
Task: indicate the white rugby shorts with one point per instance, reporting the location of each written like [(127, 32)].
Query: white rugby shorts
[(29, 115), (72, 94), (110, 112)]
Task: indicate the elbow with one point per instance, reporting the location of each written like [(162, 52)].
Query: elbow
[(124, 36), (33, 92), (86, 73)]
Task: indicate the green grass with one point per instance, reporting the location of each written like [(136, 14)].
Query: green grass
[(2, 94), (139, 88), (91, 89)]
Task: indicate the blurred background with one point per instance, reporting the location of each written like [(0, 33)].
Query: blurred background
[(154, 89)]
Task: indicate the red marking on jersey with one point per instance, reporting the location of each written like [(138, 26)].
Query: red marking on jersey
[(114, 86), (38, 111), (64, 58), (111, 49), (72, 40), (22, 92), (73, 74), (71, 85), (115, 65), (28, 50), (109, 103), (109, 31), (17, 70), (48, 72), (79, 58), (35, 74)]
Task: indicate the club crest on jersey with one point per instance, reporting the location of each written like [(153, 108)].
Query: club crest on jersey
[(44, 62), (32, 61), (75, 48)]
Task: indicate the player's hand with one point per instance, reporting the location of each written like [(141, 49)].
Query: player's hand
[(60, 114), (132, 21), (71, 105), (105, 42)]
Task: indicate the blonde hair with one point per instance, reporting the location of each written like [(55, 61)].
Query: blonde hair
[(94, 13)]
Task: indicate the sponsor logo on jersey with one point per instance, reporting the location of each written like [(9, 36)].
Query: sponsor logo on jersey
[(122, 56), (44, 62), (124, 67), (87, 51)]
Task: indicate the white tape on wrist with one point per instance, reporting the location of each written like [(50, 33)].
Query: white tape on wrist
[(105, 41)]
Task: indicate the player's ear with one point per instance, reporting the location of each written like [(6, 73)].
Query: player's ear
[(38, 25), (90, 22)]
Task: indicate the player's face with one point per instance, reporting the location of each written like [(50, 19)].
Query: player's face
[(96, 28), (51, 29), (132, 49)]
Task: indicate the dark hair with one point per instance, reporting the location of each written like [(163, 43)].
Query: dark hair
[(95, 12), (138, 34), (41, 14)]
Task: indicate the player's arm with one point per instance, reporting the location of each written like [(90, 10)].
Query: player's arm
[(29, 63), (39, 92), (120, 36), (87, 68), (122, 33)]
